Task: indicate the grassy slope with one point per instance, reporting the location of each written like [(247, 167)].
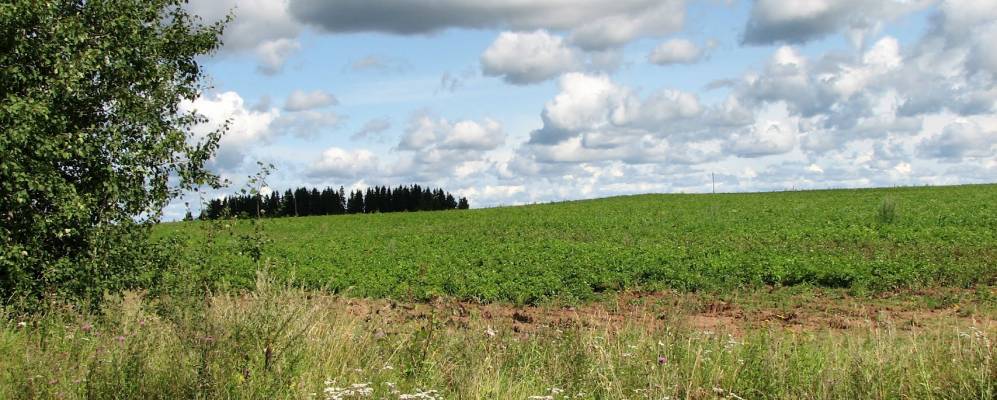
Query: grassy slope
[(944, 236)]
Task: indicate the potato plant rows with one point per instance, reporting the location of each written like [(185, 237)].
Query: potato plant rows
[(572, 251)]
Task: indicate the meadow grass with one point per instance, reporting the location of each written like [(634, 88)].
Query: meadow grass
[(283, 342)]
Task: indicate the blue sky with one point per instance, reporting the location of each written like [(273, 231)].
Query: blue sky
[(511, 102)]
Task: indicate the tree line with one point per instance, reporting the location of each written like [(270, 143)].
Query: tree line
[(304, 201)]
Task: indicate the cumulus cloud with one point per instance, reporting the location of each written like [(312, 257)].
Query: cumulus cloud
[(273, 54), (336, 162), (595, 119), (800, 21), (961, 139), (247, 128), (675, 51), (300, 100), (264, 27), (522, 58), (592, 24), (764, 139), (425, 132)]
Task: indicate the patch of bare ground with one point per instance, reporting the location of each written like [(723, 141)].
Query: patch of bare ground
[(797, 312)]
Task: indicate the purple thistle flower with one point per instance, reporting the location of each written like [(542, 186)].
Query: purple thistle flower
[(662, 360)]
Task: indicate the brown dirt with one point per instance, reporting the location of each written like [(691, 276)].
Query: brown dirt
[(800, 313)]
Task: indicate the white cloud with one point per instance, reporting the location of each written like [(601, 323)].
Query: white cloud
[(300, 100), (247, 128), (585, 102), (425, 132), (960, 139), (675, 51), (336, 162), (763, 139), (264, 27), (522, 58), (274, 53)]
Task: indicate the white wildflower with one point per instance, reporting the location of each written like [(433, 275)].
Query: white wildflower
[(354, 391), (421, 395)]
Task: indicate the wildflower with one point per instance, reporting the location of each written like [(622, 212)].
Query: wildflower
[(490, 332), (662, 360), (22, 324), (420, 395), (86, 327), (120, 339), (355, 390)]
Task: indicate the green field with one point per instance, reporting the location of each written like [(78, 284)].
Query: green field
[(573, 251), (843, 294)]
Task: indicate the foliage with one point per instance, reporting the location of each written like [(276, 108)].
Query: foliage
[(576, 251), (94, 140)]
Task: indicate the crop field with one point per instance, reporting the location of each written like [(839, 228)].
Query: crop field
[(844, 294), (865, 241)]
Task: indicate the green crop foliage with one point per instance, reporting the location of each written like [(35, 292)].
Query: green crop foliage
[(575, 251)]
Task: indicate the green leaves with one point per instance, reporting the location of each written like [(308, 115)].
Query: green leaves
[(93, 138)]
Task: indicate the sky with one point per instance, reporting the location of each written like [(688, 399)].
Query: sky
[(523, 101)]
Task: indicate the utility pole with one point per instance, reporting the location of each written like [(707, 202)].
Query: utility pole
[(713, 176)]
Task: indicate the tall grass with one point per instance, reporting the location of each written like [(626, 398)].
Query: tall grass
[(887, 211), (282, 342)]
